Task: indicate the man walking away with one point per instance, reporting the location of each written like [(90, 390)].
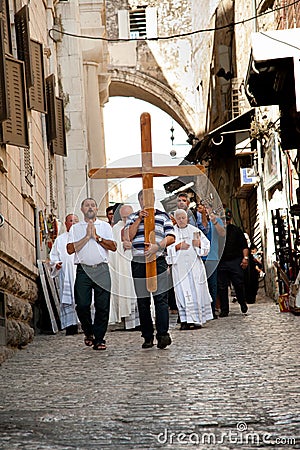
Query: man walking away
[(233, 262)]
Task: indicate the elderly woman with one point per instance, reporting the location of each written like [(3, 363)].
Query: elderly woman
[(189, 276)]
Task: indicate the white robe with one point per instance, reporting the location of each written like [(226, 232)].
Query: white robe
[(123, 302), (66, 276), (189, 277)]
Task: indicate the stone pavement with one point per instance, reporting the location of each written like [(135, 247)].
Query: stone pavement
[(233, 384)]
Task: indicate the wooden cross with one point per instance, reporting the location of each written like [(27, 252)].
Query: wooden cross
[(147, 171)]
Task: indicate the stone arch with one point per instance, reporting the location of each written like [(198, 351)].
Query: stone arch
[(141, 86)]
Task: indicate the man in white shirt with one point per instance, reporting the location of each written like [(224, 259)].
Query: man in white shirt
[(90, 240)]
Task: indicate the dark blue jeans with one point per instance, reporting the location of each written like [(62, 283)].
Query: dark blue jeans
[(230, 271), (89, 279), (160, 297)]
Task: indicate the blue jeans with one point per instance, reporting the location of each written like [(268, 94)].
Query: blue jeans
[(89, 279), (231, 271), (160, 297)]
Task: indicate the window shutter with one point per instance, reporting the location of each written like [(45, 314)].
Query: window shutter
[(123, 23), (23, 42), (51, 108), (14, 130), (58, 145), (4, 106), (37, 93), (151, 22), (4, 11)]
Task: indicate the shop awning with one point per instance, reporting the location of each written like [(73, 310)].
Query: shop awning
[(274, 71), (221, 139), (225, 137)]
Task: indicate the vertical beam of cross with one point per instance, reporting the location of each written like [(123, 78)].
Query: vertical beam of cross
[(148, 197)]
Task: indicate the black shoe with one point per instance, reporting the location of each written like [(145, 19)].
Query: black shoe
[(163, 341), (148, 344), (184, 326), (71, 330), (244, 307), (215, 316), (223, 314)]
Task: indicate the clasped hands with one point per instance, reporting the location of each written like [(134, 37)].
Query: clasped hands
[(185, 246), (91, 230)]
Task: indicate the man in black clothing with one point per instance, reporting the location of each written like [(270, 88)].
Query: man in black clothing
[(233, 262)]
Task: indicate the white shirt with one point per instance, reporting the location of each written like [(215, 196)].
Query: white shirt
[(92, 252)]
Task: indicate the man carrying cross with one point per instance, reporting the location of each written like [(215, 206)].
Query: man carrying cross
[(153, 251)]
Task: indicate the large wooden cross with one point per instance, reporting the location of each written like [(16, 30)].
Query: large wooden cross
[(147, 171)]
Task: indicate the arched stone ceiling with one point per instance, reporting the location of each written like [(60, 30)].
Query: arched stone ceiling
[(143, 87)]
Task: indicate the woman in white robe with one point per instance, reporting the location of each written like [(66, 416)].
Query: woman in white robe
[(189, 275), (62, 266), (123, 301)]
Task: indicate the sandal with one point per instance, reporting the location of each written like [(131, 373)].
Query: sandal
[(99, 346), (88, 340)]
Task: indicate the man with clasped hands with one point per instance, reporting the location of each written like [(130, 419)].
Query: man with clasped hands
[(90, 240)]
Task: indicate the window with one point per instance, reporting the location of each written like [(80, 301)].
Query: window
[(140, 23), (37, 92), (137, 23), (4, 12), (55, 120), (4, 106), (58, 146), (51, 108), (14, 130), (23, 42)]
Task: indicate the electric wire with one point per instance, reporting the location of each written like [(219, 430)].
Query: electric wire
[(174, 36)]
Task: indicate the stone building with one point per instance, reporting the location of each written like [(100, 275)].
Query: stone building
[(196, 61), (84, 80), (53, 87), (250, 136), (32, 149)]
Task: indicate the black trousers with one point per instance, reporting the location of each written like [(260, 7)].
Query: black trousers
[(160, 297), (89, 280), (230, 271)]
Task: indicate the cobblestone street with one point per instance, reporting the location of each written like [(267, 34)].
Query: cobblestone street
[(233, 384)]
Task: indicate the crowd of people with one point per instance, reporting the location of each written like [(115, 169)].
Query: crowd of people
[(102, 271)]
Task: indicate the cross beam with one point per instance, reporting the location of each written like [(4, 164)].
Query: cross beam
[(147, 171)]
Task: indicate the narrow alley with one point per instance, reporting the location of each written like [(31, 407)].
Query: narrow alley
[(233, 384)]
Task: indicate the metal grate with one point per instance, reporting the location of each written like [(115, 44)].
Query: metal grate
[(237, 100)]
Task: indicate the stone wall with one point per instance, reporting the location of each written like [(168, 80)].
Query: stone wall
[(19, 293), (27, 186), (159, 72)]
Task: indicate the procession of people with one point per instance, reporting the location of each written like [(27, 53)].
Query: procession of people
[(103, 264)]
